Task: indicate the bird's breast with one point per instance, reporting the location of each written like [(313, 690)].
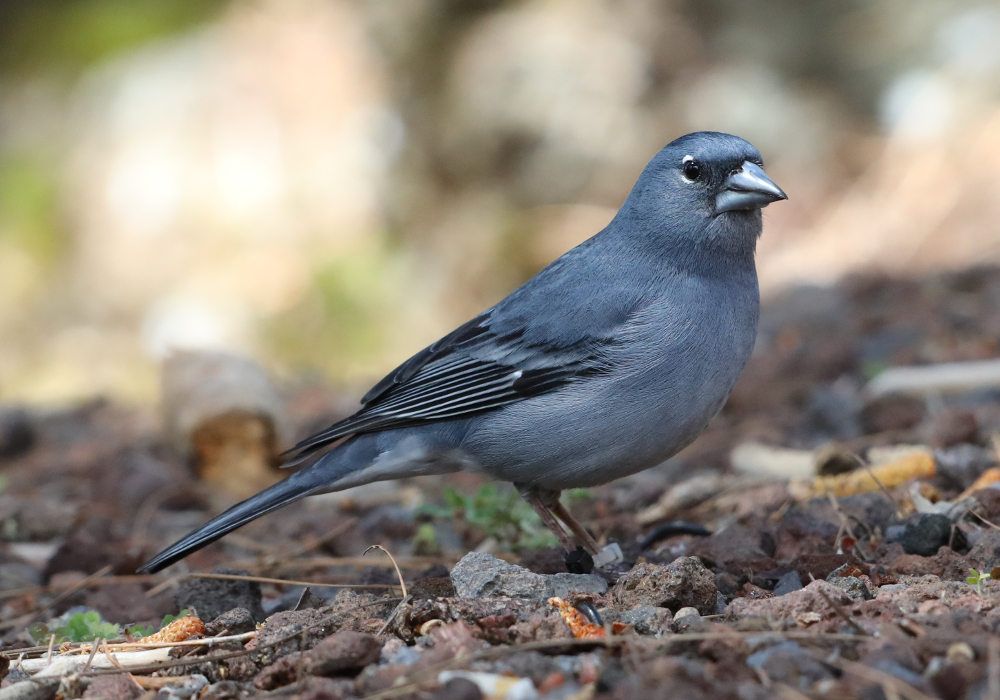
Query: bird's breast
[(664, 379)]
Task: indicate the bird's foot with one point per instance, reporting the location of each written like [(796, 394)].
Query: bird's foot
[(579, 561), (584, 537), (537, 501)]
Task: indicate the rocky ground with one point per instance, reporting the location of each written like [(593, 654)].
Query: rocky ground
[(825, 538)]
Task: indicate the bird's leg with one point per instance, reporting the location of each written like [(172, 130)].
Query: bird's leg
[(536, 499), (584, 537)]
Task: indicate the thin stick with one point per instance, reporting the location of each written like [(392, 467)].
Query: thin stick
[(984, 520), (841, 614), (777, 515), (264, 579), (52, 587), (90, 660), (206, 642), (402, 583), (844, 526), (52, 643), (361, 562), (111, 657), (885, 491), (163, 585), (392, 615), (83, 647)]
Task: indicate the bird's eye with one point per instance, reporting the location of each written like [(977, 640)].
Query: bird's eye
[(690, 168)]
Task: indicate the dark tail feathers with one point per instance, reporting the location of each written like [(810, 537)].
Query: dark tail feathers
[(297, 486)]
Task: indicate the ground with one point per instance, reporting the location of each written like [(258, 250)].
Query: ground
[(743, 577)]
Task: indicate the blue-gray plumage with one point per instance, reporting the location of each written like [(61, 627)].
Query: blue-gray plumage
[(607, 362)]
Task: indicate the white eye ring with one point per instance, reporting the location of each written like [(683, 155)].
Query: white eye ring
[(690, 168)]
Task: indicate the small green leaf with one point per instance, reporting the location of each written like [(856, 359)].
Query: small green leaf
[(425, 541), (167, 619), (39, 634), (578, 495)]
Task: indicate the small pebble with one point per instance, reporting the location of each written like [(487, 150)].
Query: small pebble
[(960, 653), (687, 612)]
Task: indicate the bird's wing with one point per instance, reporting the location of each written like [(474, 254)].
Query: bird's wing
[(483, 365)]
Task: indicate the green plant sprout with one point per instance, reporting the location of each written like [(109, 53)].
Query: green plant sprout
[(502, 514), (977, 579), (89, 626), (80, 627), (425, 541)]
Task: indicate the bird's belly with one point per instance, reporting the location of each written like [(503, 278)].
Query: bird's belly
[(594, 432)]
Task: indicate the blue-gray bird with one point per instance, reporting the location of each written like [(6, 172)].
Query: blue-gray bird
[(608, 362)]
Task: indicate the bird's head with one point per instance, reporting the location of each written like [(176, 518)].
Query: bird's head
[(705, 188)]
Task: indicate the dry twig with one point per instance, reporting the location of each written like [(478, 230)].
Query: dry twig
[(402, 583), (286, 582)]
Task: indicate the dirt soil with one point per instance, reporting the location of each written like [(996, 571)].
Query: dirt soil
[(733, 584)]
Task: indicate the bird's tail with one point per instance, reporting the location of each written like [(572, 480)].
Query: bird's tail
[(318, 477)]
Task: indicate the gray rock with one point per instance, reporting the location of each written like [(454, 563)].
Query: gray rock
[(563, 584), (684, 582), (923, 534), (962, 464), (211, 597), (236, 621), (482, 575), (788, 583), (647, 619), (855, 588), (789, 663)]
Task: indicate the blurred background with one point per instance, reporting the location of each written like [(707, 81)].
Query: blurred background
[(329, 185), (300, 194)]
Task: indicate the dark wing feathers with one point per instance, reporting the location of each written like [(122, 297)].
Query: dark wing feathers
[(465, 333), (471, 370), (532, 342)]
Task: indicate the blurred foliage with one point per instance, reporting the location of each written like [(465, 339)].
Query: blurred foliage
[(501, 513), (331, 185), (80, 627), (425, 541), (88, 626), (344, 317), (72, 34), (28, 206)]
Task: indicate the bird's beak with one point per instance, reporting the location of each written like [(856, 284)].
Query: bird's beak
[(747, 188)]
